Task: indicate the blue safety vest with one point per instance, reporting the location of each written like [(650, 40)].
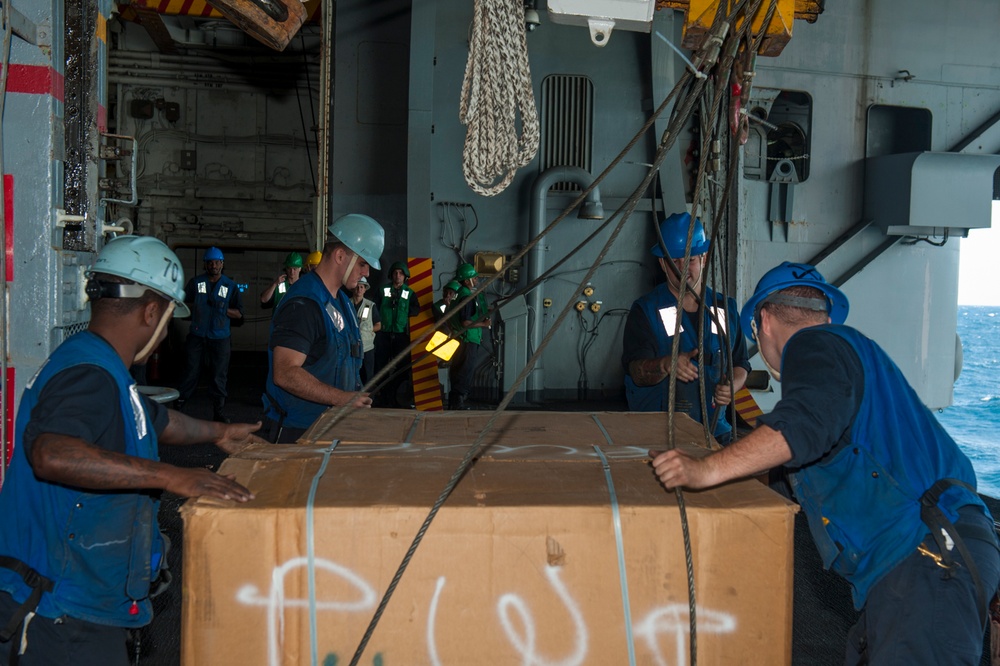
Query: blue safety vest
[(211, 300), (97, 547), (339, 367), (661, 310), (863, 502)]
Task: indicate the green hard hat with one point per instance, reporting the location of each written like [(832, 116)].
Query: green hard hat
[(466, 271), (293, 260), (399, 265), (362, 234), (453, 285), (147, 261)]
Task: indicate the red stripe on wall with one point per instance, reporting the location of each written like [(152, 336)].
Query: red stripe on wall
[(427, 389), (423, 275), (431, 392), (8, 224), (419, 326), (35, 80)]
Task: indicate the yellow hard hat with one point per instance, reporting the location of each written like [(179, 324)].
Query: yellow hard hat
[(314, 258)]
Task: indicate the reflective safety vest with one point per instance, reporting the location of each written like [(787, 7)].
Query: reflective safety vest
[(394, 308), (208, 311), (364, 311), (482, 310), (99, 548), (661, 310), (863, 503), (339, 366), (280, 291)]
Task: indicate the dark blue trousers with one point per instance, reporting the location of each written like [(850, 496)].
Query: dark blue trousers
[(921, 613), (63, 640), (214, 355)]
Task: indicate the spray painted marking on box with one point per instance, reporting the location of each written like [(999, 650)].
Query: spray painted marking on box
[(276, 603), (673, 619), (669, 620)]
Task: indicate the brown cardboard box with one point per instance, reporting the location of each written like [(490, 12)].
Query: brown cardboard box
[(519, 567)]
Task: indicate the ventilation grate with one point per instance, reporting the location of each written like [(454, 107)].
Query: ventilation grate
[(64, 332), (567, 125)]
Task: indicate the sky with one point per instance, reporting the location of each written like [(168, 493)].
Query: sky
[(978, 281)]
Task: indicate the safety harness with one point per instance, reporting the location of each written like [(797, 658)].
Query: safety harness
[(932, 516), (38, 584)]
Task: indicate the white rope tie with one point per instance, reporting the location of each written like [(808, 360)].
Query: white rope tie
[(495, 92)]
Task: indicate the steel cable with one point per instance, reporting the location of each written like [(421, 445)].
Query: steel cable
[(680, 115)]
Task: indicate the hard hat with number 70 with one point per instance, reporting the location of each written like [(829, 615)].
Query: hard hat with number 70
[(147, 261), (362, 235)]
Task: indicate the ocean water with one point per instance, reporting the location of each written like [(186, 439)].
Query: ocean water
[(973, 420)]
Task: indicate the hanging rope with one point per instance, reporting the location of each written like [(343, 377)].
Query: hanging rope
[(496, 93)]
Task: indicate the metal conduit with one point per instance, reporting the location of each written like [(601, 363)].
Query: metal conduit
[(123, 76), (534, 385)]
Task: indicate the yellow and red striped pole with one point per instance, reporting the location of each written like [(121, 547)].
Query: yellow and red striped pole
[(747, 407), (426, 385)]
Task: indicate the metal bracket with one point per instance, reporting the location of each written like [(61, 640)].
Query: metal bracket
[(783, 180), (62, 218), (600, 30), (21, 25), (109, 152)]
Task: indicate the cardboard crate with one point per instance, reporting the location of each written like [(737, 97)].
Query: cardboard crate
[(520, 565)]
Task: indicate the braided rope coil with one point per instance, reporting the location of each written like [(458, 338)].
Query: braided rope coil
[(496, 94)]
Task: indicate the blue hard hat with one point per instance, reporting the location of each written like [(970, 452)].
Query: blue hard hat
[(787, 275), (146, 261), (674, 230), (213, 254), (362, 235)]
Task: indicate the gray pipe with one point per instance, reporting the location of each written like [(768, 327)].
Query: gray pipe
[(590, 209)]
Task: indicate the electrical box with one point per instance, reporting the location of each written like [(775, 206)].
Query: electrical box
[(489, 263), (924, 193), (603, 16), (141, 109)]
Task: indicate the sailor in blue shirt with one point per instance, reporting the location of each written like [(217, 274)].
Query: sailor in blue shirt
[(79, 544), (215, 302), (889, 497), (654, 320), (315, 351)]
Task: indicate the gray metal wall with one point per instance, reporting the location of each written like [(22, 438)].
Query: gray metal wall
[(397, 146), (847, 61), (620, 73)]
